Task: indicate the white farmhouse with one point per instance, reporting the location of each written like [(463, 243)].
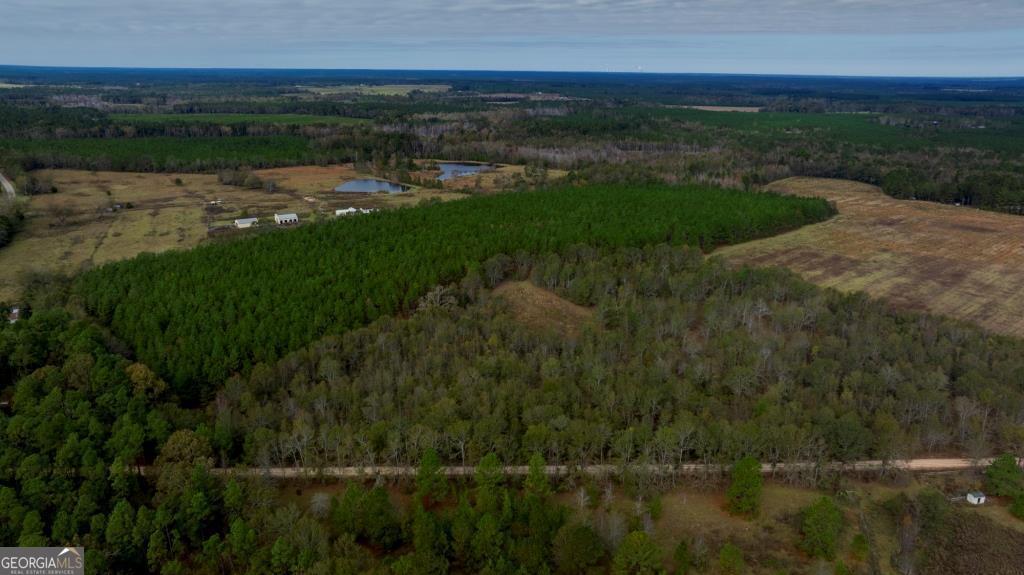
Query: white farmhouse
[(243, 223), (976, 498), (283, 219)]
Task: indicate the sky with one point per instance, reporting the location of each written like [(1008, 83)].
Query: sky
[(833, 37)]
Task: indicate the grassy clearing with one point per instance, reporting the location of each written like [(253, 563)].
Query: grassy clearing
[(287, 119), (955, 261), (541, 309)]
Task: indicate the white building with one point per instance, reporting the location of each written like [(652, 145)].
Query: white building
[(976, 498), (243, 223), (353, 211), (14, 315), (282, 219)]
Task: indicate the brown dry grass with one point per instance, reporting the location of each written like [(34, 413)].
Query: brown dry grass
[(319, 182), (955, 261), (539, 308)]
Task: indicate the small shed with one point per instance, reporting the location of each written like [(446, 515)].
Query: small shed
[(243, 223), (14, 314), (284, 219), (976, 498)]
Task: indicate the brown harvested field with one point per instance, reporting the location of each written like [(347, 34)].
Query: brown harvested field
[(539, 308), (956, 261)]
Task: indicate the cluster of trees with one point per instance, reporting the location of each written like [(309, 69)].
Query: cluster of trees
[(995, 190), (11, 219), (1005, 478), (245, 178), (196, 317), (199, 150), (689, 362)]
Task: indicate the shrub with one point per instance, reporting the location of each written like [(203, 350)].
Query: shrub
[(577, 548), (730, 560), (638, 555), (1004, 476), (821, 525), (744, 493)]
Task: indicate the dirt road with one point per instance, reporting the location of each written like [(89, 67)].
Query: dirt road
[(8, 188), (912, 465)]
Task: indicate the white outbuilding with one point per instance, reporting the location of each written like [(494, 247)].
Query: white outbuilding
[(354, 211), (243, 223), (283, 219), (976, 498)]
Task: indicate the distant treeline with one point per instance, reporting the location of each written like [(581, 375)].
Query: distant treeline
[(196, 317), (197, 151)]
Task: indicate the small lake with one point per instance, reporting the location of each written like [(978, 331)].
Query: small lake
[(450, 170), (370, 185)]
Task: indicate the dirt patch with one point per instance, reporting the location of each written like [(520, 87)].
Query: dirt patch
[(955, 261), (541, 309)]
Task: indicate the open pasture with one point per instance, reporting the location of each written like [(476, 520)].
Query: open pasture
[(98, 217), (955, 261)]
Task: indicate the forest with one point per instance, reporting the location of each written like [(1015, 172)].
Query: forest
[(201, 315), (140, 400), (686, 361), (736, 365)]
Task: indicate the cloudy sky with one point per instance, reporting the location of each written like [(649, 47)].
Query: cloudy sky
[(842, 37)]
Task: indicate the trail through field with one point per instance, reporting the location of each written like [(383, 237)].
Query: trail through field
[(955, 261), (354, 472)]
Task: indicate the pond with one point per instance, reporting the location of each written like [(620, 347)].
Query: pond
[(451, 170), (370, 185)]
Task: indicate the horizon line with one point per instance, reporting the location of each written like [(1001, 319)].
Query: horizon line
[(509, 71)]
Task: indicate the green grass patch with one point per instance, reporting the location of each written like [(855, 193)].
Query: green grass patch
[(198, 316)]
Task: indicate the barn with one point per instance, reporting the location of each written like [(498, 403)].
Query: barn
[(284, 219)]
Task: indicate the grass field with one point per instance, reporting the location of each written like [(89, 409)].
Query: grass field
[(289, 119), (955, 261), (72, 229)]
